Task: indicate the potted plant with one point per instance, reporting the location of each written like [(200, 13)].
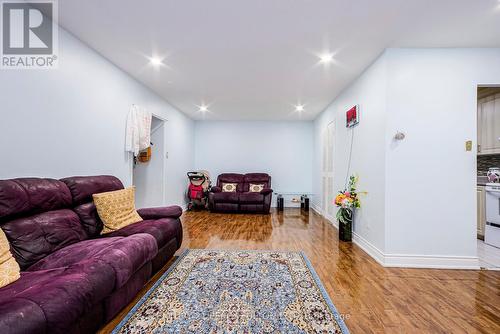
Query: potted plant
[(347, 201)]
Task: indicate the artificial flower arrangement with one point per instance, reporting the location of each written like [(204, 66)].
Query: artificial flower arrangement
[(347, 201)]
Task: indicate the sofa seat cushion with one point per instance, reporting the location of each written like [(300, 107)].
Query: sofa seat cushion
[(226, 197), (55, 299), (251, 198), (19, 316), (124, 255), (163, 230)]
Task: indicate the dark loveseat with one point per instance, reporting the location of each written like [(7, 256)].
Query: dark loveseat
[(73, 280), (241, 200)]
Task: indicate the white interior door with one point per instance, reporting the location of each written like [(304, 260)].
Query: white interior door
[(327, 172), (149, 177)]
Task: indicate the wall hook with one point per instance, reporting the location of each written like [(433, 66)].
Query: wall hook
[(399, 135)]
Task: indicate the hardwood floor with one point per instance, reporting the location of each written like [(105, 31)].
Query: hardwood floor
[(372, 299)]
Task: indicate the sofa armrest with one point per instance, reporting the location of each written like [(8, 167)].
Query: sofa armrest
[(215, 189), (160, 212), (266, 191)]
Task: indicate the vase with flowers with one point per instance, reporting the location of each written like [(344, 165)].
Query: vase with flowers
[(347, 201)]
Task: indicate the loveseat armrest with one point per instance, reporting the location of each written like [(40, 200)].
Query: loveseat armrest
[(215, 189), (173, 211), (266, 191)]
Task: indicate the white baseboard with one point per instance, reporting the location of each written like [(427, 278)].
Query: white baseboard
[(431, 261), (408, 260), (320, 212), (369, 248), (316, 208)]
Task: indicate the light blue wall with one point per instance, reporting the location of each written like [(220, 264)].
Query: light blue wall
[(430, 95), (282, 149), (71, 120), (368, 154)]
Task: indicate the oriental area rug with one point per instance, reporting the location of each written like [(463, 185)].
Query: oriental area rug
[(222, 291)]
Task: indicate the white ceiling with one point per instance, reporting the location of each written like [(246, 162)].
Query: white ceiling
[(255, 59)]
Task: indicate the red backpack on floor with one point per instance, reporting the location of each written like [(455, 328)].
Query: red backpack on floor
[(195, 192)]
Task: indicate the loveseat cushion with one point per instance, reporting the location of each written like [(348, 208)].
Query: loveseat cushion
[(32, 238), (163, 230), (61, 295), (251, 198), (256, 178), (231, 178), (124, 255), (226, 207), (226, 197), (251, 208)]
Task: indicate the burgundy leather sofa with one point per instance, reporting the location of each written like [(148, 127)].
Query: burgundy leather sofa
[(242, 200), (73, 280)]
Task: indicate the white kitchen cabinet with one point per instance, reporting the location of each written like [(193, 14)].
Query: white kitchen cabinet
[(481, 211), (488, 122)]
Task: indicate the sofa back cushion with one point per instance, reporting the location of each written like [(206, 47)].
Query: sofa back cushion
[(82, 188), (256, 178), (34, 237), (35, 216), (231, 178), (28, 196)]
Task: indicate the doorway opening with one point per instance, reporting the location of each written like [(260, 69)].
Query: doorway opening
[(328, 192), (488, 177), (149, 177)]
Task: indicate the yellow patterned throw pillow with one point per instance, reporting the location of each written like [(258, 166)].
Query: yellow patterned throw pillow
[(9, 268), (256, 188), (116, 209), (229, 187)]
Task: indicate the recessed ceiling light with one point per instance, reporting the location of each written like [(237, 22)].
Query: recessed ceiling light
[(156, 61), (326, 58), (299, 107), (203, 108)]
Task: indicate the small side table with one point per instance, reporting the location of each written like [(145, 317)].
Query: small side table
[(280, 205), (304, 200)]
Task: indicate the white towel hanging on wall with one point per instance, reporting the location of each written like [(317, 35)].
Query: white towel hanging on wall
[(138, 130)]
